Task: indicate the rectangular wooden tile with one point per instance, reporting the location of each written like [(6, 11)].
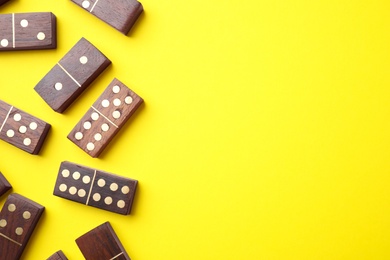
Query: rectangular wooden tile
[(28, 31), (95, 188), (120, 14), (4, 185), (105, 118), (72, 75), (21, 129), (18, 219), (3, 1), (59, 255), (102, 243)]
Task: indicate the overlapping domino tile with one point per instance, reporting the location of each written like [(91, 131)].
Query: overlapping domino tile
[(105, 118), (95, 188)]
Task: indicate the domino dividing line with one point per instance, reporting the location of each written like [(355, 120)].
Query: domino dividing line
[(78, 84), (93, 6), (90, 189), (10, 239), (104, 117), (118, 255), (5, 120)]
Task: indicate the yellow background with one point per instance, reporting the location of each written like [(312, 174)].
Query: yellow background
[(265, 132)]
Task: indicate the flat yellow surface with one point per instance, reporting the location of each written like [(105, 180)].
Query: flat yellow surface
[(265, 132)]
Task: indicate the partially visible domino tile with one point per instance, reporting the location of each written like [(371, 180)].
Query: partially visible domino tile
[(72, 75), (3, 1), (95, 188), (4, 185), (18, 219), (102, 243), (59, 255), (120, 14), (105, 118), (21, 129), (28, 31)]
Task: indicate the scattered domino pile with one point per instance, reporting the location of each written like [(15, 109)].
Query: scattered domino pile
[(59, 88)]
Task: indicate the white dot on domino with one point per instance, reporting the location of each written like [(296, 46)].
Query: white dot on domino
[(3, 223), (116, 114), (108, 200), (101, 183), (73, 190), (33, 126), (26, 215), (24, 23), (78, 136), (105, 103), (86, 4), (86, 179), (116, 89), (27, 141), (10, 133), (95, 116), (22, 129), (58, 86), (105, 127), (76, 175), (17, 117), (125, 189), (81, 193), (97, 137), (65, 173), (83, 60), (121, 204), (19, 231), (90, 146), (4, 43), (117, 102), (114, 186), (63, 187), (11, 207), (87, 125), (41, 36), (96, 197), (128, 100)]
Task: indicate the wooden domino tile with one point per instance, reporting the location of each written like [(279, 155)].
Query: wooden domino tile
[(59, 255), (27, 31), (22, 129), (18, 219), (72, 75), (95, 188), (105, 118), (4, 185), (120, 14), (3, 1), (101, 243)]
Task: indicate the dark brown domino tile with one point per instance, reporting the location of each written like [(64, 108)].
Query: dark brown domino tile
[(120, 14), (101, 243), (95, 188), (27, 31), (105, 118), (21, 129), (72, 75), (59, 255), (4, 185), (18, 219)]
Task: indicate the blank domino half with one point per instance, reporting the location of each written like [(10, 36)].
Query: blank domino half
[(72, 75), (120, 14), (27, 31), (18, 219), (95, 188), (102, 243), (4, 185), (105, 118), (22, 129), (59, 255)]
